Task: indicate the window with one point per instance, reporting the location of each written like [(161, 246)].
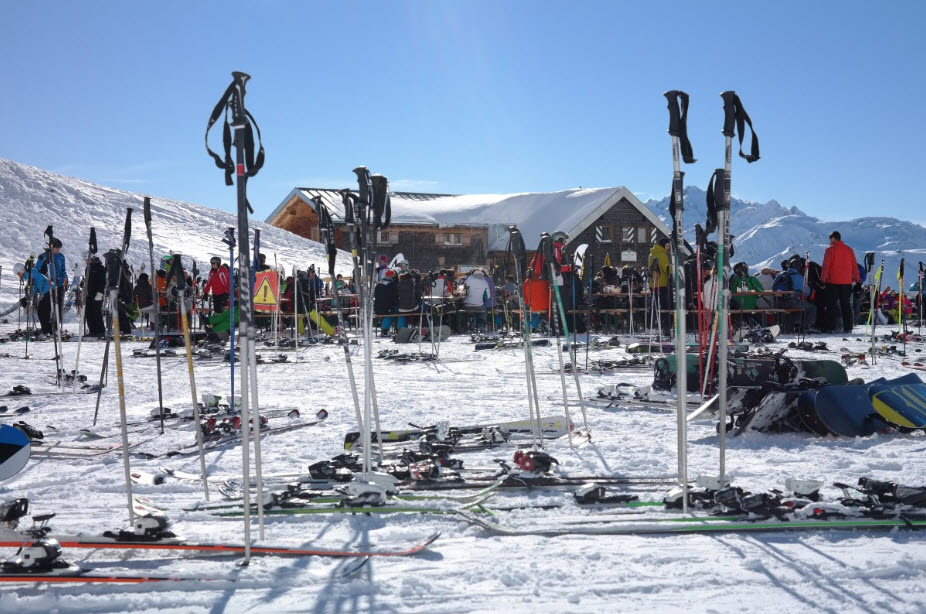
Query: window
[(452, 239), (384, 237), (629, 233), (642, 235), (604, 234)]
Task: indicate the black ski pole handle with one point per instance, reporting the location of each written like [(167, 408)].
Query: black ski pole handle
[(348, 199), (177, 270), (675, 116), (381, 202), (729, 113), (146, 208), (127, 231), (363, 181), (229, 239)]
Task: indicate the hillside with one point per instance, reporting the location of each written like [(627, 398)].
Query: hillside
[(31, 199)]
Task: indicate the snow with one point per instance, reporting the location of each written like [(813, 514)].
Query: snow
[(467, 569)]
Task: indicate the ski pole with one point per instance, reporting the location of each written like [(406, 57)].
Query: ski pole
[(247, 164), (229, 240), (326, 226), (91, 250), (678, 118), (53, 300), (156, 303), (735, 117)]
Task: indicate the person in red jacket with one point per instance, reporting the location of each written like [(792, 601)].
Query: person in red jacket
[(840, 271), (219, 285)]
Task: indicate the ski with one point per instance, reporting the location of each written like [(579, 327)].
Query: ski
[(695, 525), (80, 575), (553, 426), (217, 444), (345, 507), (178, 545), (299, 496)]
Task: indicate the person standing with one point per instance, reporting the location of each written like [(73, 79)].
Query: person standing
[(96, 292), (658, 264), (57, 276), (840, 271), (219, 284)]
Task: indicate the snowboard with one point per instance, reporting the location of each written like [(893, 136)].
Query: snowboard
[(830, 370), (848, 411), (903, 405), (14, 451), (807, 412)]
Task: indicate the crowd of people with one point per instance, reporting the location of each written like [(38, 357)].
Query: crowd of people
[(828, 297)]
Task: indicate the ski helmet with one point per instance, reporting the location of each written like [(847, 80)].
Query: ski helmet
[(18, 268), (215, 260), (560, 237), (56, 242)]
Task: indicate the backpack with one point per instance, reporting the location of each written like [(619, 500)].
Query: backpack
[(783, 282)]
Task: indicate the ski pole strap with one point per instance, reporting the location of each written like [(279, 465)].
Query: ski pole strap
[(675, 206), (678, 122), (714, 200), (327, 227), (545, 248), (177, 269), (518, 250), (382, 205), (735, 120), (233, 99), (113, 269)]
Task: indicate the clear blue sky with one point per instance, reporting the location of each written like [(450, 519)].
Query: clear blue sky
[(474, 96)]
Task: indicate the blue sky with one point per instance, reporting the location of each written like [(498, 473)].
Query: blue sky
[(475, 96)]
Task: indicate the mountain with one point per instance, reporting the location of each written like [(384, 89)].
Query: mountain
[(31, 199), (767, 233)]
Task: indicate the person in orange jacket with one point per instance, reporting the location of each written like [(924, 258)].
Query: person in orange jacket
[(840, 271)]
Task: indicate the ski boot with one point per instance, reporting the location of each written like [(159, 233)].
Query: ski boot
[(534, 462)]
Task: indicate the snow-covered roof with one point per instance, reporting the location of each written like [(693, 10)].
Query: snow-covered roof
[(571, 210)]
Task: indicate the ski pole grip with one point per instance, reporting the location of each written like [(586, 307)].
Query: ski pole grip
[(113, 264), (128, 230), (729, 113), (177, 269), (363, 181), (240, 79), (675, 115)]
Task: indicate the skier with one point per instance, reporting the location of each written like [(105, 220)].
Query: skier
[(385, 299), (95, 288), (478, 297), (219, 284), (658, 264), (792, 280), (143, 296), (58, 279), (840, 271), (380, 273), (36, 285)]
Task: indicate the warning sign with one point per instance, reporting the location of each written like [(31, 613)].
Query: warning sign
[(266, 291)]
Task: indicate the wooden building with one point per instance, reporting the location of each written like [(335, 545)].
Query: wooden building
[(467, 231)]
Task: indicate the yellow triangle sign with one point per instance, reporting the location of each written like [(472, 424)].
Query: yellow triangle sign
[(264, 294)]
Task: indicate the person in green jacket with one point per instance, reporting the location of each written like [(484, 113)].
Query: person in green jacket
[(742, 281)]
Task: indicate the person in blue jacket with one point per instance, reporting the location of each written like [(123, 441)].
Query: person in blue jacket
[(56, 273), (36, 286), (792, 280)]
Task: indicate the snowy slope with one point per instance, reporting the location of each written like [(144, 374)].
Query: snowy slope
[(766, 233), (31, 199)]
